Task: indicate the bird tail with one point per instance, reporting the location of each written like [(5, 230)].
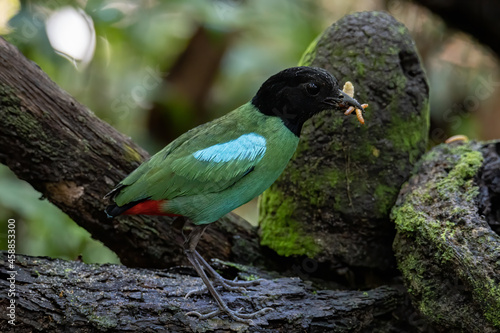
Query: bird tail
[(139, 207), (114, 210)]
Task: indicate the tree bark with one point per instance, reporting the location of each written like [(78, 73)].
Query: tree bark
[(447, 252), (69, 296), (336, 193), (73, 158)]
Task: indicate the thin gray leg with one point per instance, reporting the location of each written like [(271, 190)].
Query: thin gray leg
[(195, 259)]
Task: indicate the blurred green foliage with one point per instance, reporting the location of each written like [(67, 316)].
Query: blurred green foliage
[(138, 42)]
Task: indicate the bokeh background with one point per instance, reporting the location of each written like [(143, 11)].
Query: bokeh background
[(154, 69)]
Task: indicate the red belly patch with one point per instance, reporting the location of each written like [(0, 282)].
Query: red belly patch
[(149, 207)]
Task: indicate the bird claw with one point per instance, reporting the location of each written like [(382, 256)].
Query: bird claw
[(234, 285), (218, 280), (243, 283), (253, 315), (203, 290), (230, 285), (240, 317), (203, 316), (199, 291), (202, 268)]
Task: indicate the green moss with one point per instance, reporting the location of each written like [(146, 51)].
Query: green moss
[(282, 233), (491, 293), (407, 133), (385, 196), (131, 154), (241, 268), (394, 50), (17, 118), (464, 162), (412, 264), (462, 173), (467, 166), (337, 122), (407, 219), (8, 96), (360, 67), (317, 190), (362, 153), (24, 124), (302, 146), (252, 277), (333, 176), (425, 290)]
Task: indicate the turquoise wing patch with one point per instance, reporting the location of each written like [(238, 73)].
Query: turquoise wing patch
[(249, 147), (222, 164), (186, 171)]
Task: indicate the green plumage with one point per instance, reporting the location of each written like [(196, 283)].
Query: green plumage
[(204, 190), (217, 167)]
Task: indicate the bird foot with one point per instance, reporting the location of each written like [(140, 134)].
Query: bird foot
[(235, 283), (199, 291), (240, 317), (202, 268), (230, 285)]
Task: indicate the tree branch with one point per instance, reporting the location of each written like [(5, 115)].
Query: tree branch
[(73, 158), (69, 296)]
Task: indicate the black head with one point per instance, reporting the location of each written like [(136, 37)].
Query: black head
[(298, 93)]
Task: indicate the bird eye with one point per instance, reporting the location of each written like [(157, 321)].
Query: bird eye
[(312, 89)]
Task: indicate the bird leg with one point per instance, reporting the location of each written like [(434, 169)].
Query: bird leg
[(225, 282), (218, 280), (199, 264), (231, 285)]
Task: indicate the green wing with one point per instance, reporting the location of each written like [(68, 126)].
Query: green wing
[(209, 158)]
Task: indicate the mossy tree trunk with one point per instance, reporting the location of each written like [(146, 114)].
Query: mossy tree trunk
[(448, 253), (332, 203)]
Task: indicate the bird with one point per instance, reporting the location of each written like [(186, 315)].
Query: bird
[(218, 166)]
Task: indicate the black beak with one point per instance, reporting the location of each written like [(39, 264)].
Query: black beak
[(349, 101), (344, 101)]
